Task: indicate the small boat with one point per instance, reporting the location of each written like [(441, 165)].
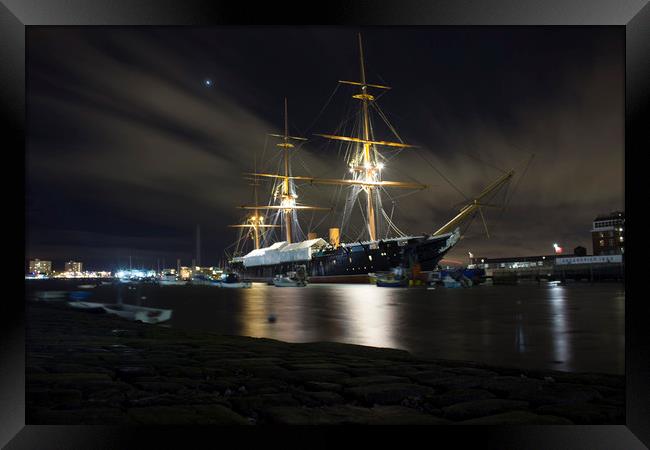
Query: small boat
[(169, 279), (395, 278), (395, 282), (233, 280), (129, 312), (449, 282), (203, 280), (88, 306), (139, 313), (50, 295), (288, 281), (297, 278)]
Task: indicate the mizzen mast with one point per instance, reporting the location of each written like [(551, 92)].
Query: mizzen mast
[(255, 222)]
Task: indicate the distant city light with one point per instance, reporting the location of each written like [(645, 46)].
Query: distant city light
[(558, 249)]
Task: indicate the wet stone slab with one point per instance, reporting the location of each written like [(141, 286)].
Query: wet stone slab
[(104, 370)]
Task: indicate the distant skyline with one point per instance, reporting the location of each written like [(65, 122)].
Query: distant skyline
[(129, 146)]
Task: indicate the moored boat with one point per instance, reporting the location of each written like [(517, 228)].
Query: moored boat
[(393, 278), (129, 312), (233, 280), (295, 278), (170, 279)]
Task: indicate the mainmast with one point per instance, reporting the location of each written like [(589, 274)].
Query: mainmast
[(365, 166), (368, 165)]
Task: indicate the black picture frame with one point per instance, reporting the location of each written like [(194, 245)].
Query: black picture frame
[(633, 15)]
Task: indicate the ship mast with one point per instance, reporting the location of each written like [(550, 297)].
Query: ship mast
[(364, 165), (287, 195), (369, 167), (287, 198), (256, 220)]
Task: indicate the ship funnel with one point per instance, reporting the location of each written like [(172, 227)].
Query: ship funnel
[(334, 237), (312, 235)]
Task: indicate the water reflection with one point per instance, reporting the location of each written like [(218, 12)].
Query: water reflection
[(559, 324), (580, 327), (372, 311), (520, 337)]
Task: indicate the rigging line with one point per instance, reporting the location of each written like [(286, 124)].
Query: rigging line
[(266, 140), (523, 174), (471, 221), (386, 121), (322, 220), (441, 174), (309, 228), (391, 224), (392, 128), (392, 210), (512, 191), (309, 128), (364, 229)]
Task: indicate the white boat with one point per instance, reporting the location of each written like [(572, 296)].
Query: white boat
[(292, 279), (232, 280), (169, 279), (130, 312), (50, 295), (88, 306), (280, 281)]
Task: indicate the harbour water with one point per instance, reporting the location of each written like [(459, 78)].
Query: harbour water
[(575, 327)]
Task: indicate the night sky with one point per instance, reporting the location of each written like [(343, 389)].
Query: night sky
[(128, 149)]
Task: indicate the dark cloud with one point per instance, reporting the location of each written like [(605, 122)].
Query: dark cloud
[(128, 150)]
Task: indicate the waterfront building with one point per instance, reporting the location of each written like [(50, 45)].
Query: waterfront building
[(209, 271), (185, 273), (38, 266), (73, 266), (608, 234)]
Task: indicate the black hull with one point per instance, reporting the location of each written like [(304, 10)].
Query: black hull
[(353, 262)]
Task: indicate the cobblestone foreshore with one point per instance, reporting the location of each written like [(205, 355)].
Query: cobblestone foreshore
[(84, 368)]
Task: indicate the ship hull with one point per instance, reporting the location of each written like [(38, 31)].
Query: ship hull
[(351, 263)]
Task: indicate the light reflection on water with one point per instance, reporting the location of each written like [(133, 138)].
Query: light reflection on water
[(575, 327), (559, 320), (367, 309)]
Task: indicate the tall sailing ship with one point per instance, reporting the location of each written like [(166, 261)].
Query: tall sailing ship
[(381, 247)]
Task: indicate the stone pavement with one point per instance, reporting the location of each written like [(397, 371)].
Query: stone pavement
[(84, 368)]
